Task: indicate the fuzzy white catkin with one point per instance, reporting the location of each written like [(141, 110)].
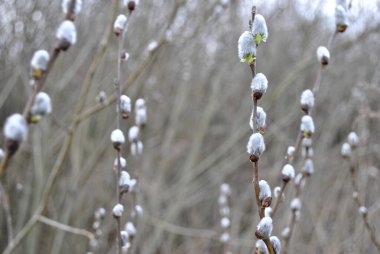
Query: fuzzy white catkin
[(286, 232), (225, 222), (222, 200), (268, 212), (42, 104), (276, 244), (309, 166), (307, 142), (101, 97), (123, 162), (16, 128), (117, 136), (341, 18), (276, 191), (125, 104), (152, 46), (66, 6), (288, 170), (363, 210), (139, 210), (133, 134), (259, 27), (260, 118), (307, 99), (124, 236), (130, 228), (322, 52), (133, 185), (224, 211), (225, 189), (40, 60), (259, 83), (118, 210), (265, 227), (353, 139), (225, 237), (295, 204), (261, 247), (246, 45), (265, 190), (66, 31), (124, 178), (140, 117), (120, 23), (307, 124), (290, 151), (346, 150), (256, 145)]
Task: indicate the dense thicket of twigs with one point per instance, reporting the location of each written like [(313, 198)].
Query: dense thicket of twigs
[(197, 92)]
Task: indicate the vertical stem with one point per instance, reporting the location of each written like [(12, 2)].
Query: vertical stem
[(278, 200), (257, 189), (7, 211), (118, 120)]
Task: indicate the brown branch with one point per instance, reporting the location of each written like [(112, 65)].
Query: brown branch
[(279, 198), (66, 228)]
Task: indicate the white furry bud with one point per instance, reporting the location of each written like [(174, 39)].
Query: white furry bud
[(355, 195), (133, 134), (307, 100), (276, 244), (341, 18), (123, 162), (16, 128), (290, 151), (346, 150), (285, 233), (119, 24), (152, 46), (295, 205), (118, 210), (125, 106), (261, 247), (67, 34), (224, 211), (139, 210), (353, 139), (140, 112), (247, 47), (42, 104), (265, 191), (222, 200), (268, 212), (307, 126), (259, 29), (66, 6), (256, 145), (264, 228), (101, 97), (308, 167), (288, 172), (39, 61), (323, 55), (130, 228), (124, 179), (277, 191), (117, 136), (225, 237), (225, 189), (225, 222), (363, 210), (259, 85), (260, 119)]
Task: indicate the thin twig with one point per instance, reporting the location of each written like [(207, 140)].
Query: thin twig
[(279, 198), (8, 215), (66, 228), (359, 204)]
